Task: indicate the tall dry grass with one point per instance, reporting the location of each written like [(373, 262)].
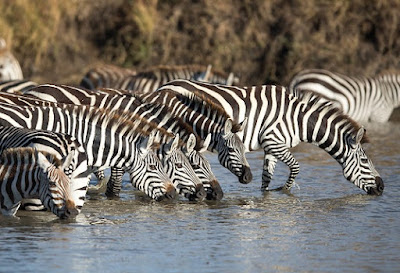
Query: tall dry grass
[(262, 41)]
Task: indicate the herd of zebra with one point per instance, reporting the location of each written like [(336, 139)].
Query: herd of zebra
[(156, 125)]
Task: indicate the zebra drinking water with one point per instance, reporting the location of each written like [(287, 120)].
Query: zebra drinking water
[(109, 139), (64, 147), (135, 105), (278, 121), (27, 173), (363, 99)]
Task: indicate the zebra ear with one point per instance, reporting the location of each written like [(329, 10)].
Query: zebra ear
[(175, 143), (228, 126), (360, 135), (191, 143), (206, 143), (68, 160), (243, 124)]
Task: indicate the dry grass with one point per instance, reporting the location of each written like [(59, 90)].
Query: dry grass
[(262, 41)]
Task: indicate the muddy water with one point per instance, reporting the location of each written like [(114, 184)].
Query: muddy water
[(325, 225)]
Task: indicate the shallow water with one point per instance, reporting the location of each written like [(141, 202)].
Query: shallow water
[(325, 225)]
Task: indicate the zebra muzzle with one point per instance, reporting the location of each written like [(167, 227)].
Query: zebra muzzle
[(199, 194), (379, 187), (214, 192), (246, 176)]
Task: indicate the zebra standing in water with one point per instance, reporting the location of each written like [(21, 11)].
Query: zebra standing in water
[(184, 178), (27, 173), (109, 140), (64, 147), (207, 118), (9, 66), (279, 121), (16, 86), (106, 75), (363, 99), (157, 113)]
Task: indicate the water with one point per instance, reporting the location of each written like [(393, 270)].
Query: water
[(326, 225)]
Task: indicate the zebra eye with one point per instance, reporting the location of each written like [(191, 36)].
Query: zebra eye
[(152, 167), (195, 167), (52, 184), (231, 150), (178, 165)]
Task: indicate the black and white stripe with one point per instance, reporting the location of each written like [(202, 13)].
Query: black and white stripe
[(184, 178), (27, 173), (106, 75), (206, 118), (109, 139), (65, 148), (278, 121), (363, 99), (16, 86)]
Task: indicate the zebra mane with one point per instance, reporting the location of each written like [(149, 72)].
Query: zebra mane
[(320, 102), (138, 126), (195, 99), (13, 154), (164, 112)]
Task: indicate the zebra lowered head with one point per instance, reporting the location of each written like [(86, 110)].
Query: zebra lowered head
[(179, 169), (358, 168), (201, 166), (29, 173), (149, 171), (231, 151)]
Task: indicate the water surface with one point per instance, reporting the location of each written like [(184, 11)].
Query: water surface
[(325, 225)]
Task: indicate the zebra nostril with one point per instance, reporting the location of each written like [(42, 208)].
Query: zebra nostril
[(247, 176)]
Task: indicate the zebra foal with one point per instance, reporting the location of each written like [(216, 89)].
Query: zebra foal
[(28, 173)]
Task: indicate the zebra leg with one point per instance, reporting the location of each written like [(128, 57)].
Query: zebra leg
[(114, 184), (282, 153), (268, 170), (10, 211), (99, 175)]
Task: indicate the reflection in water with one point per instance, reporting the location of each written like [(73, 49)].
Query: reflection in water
[(327, 225)]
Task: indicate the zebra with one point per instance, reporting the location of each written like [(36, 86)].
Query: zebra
[(159, 114), (9, 65), (280, 121), (25, 173), (105, 75), (206, 118), (64, 147), (149, 80), (17, 86), (363, 99), (109, 139)]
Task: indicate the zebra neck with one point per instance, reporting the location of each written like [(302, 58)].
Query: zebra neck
[(328, 130)]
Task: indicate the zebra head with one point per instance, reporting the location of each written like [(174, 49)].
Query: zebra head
[(56, 193), (179, 169), (202, 167), (231, 152), (147, 173), (358, 168)]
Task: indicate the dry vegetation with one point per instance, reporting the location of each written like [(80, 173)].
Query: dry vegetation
[(262, 41)]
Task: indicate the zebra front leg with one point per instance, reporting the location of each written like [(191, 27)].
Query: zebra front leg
[(282, 153), (114, 184), (268, 170)]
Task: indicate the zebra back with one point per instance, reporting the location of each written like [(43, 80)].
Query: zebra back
[(16, 86), (105, 75)]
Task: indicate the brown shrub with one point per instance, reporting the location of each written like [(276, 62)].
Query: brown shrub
[(262, 41)]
